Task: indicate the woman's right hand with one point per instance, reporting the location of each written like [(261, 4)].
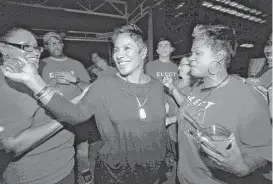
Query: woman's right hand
[(19, 70), (168, 81)]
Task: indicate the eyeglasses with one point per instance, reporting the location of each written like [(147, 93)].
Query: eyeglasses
[(25, 47), (50, 44)]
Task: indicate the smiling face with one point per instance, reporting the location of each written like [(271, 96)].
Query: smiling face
[(127, 54), (201, 58), (25, 37)]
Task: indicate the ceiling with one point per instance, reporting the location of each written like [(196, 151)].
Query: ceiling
[(101, 16)]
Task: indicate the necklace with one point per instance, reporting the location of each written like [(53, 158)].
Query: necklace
[(141, 110), (214, 87), (210, 89)]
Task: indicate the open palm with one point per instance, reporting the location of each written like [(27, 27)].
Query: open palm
[(18, 70)]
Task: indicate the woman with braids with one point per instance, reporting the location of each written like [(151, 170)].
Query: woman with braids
[(220, 99), (129, 109)]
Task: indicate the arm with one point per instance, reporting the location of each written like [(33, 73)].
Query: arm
[(64, 110), (30, 138), (34, 136), (179, 97), (253, 136), (83, 78)]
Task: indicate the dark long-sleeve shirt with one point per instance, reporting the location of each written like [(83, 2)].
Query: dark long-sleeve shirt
[(133, 147)]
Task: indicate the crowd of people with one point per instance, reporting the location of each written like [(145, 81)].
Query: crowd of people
[(148, 122)]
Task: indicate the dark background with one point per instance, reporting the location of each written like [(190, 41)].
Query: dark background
[(179, 28)]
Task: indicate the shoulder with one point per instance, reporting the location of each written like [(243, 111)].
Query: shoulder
[(172, 64), (247, 94), (151, 63), (47, 59), (105, 82), (73, 61)]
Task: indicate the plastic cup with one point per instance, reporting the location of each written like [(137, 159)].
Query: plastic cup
[(218, 135)]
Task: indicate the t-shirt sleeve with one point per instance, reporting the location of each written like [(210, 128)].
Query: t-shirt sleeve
[(82, 72), (254, 133), (65, 111), (44, 70)]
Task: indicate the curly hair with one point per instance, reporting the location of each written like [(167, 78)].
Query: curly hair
[(133, 31), (218, 37)]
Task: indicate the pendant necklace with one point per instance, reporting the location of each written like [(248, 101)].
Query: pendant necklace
[(141, 110)]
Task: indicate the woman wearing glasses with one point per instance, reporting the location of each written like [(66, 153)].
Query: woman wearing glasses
[(225, 101), (182, 86), (129, 108), (34, 148)]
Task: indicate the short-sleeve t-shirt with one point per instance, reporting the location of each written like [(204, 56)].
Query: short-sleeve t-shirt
[(48, 163), (237, 107), (53, 66), (158, 69)]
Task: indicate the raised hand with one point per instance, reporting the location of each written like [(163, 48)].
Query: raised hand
[(18, 70), (168, 81)]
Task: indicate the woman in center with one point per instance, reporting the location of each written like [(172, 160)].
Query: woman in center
[(129, 108)]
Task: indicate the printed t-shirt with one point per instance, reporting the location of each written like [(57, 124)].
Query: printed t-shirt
[(237, 107), (53, 66), (48, 163), (158, 69)]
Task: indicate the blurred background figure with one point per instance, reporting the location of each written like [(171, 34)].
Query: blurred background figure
[(264, 77), (100, 67)]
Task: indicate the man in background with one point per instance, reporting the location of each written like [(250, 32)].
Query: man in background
[(163, 65), (70, 78), (64, 73)]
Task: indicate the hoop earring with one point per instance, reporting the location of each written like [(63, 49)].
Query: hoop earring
[(210, 71)]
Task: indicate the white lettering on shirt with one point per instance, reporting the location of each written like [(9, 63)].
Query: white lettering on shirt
[(160, 74), (197, 109)]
